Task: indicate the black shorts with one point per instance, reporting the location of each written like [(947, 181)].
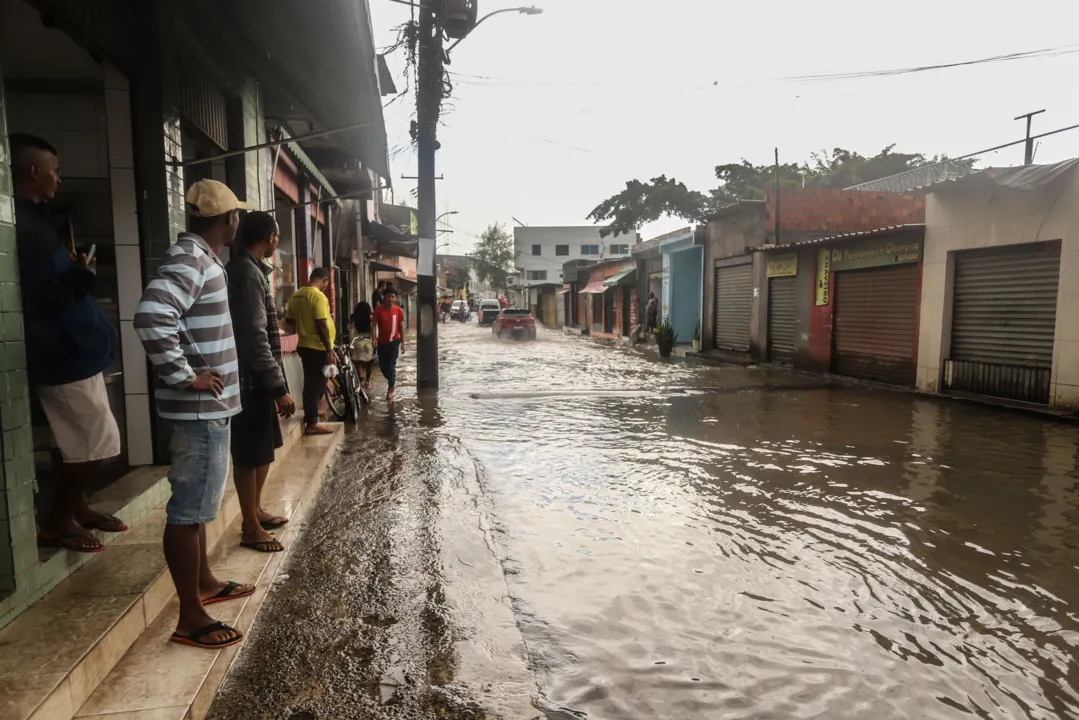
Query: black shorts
[(256, 433)]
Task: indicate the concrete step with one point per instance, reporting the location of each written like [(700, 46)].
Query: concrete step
[(71, 649)]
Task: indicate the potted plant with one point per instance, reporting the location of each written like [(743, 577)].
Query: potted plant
[(697, 337), (665, 338)]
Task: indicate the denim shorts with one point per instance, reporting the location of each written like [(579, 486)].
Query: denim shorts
[(200, 466)]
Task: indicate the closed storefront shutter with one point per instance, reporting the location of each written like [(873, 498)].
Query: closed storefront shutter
[(782, 303), (1004, 321), (734, 303), (876, 323)]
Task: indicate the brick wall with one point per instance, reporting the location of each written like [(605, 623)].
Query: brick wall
[(823, 209), (18, 543)]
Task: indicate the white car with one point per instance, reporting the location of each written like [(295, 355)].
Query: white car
[(488, 312)]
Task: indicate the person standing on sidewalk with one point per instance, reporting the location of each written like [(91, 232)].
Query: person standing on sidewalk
[(308, 315), (184, 324), (386, 324), (256, 432), (69, 344)]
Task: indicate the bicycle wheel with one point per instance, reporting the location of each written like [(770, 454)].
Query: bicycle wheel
[(336, 399), (350, 386)]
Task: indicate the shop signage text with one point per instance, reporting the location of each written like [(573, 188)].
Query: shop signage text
[(874, 253), (783, 265), (821, 282)]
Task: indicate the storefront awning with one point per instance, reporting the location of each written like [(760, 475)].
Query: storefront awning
[(563, 291), (405, 287), (383, 267), (389, 241), (624, 278), (594, 288), (324, 61)]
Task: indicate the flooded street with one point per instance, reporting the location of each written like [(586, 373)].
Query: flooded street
[(580, 531)]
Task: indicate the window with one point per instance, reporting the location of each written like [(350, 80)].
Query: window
[(561, 249), (590, 249), (536, 274), (619, 249), (537, 249)]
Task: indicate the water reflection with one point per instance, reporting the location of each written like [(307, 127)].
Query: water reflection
[(726, 542)]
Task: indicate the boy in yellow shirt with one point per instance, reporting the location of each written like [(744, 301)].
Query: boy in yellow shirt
[(308, 315)]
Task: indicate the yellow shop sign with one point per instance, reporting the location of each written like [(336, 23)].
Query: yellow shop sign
[(783, 265)]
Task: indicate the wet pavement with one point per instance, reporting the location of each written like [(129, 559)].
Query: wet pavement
[(574, 530)]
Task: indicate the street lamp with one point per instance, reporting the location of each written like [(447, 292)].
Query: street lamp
[(522, 10), (451, 212)]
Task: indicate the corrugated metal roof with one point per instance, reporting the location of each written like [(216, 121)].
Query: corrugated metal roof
[(857, 235), (918, 178)]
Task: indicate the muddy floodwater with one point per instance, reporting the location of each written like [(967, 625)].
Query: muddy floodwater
[(670, 541)]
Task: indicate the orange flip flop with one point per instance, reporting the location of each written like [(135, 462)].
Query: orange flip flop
[(227, 594), (194, 638), (71, 542)]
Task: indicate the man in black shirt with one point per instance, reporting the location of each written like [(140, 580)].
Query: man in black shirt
[(376, 296), (69, 344)]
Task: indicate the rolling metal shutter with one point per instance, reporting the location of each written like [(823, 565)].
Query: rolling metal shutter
[(876, 323), (1004, 321), (734, 302), (782, 306)]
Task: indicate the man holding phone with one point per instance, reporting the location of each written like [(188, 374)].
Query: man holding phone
[(185, 326), (69, 344)]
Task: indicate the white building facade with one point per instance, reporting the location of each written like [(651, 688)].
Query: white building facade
[(540, 253)]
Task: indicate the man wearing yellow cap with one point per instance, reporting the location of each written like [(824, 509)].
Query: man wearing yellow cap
[(184, 324)]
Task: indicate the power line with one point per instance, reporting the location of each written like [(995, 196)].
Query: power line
[(492, 81), (1026, 55)]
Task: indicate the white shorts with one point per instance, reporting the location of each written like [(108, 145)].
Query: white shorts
[(81, 420)]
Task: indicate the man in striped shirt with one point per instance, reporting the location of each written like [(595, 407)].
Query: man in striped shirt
[(184, 324)]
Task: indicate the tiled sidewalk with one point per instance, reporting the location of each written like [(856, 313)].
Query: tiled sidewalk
[(96, 646)]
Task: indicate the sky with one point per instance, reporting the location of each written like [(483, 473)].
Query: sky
[(551, 114)]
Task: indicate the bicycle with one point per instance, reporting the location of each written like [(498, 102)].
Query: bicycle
[(342, 392)]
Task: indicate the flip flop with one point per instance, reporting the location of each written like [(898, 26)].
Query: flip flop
[(109, 524), (266, 546), (194, 638), (318, 430), (71, 542), (227, 594), (277, 521)]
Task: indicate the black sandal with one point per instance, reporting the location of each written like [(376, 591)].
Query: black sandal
[(227, 593), (267, 546), (109, 524), (277, 521), (194, 638)]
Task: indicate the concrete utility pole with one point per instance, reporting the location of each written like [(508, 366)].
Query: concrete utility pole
[(1028, 158), (428, 107)]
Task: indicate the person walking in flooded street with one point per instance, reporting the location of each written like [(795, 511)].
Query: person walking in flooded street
[(184, 324), (256, 431), (363, 346), (386, 325)]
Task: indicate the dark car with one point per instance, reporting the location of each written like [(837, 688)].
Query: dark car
[(488, 312), (514, 323)]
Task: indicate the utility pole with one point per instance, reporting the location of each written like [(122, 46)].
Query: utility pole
[(1028, 158), (775, 229), (428, 107)]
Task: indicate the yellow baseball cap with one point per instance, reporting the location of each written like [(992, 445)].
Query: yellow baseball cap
[(210, 198)]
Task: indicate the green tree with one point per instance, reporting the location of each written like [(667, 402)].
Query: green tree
[(644, 202), (494, 255)]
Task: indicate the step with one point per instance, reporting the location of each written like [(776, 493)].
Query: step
[(55, 657)]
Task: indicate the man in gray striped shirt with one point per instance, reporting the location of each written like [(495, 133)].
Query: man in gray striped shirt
[(184, 324)]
